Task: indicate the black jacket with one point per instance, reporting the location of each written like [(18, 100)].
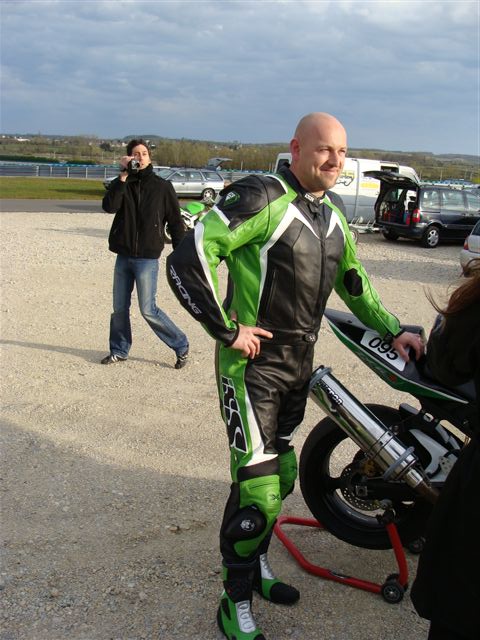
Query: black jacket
[(143, 204), (447, 587)]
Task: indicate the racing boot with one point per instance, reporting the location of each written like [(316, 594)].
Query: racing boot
[(234, 616), (267, 585)]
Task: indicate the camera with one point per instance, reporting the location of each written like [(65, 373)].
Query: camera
[(133, 166)]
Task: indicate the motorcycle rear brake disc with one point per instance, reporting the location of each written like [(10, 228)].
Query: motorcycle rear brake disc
[(349, 474)]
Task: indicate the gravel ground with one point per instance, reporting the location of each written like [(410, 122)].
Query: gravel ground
[(114, 478)]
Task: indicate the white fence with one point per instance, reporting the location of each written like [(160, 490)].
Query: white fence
[(89, 172)]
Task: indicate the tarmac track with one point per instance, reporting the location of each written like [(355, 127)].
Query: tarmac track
[(51, 206)]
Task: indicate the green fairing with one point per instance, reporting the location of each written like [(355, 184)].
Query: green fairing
[(194, 208), (399, 383)]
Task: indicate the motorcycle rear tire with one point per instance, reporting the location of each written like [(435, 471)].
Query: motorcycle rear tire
[(344, 520), (167, 236)]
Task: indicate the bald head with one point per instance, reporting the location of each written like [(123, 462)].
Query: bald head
[(318, 148), (315, 123)]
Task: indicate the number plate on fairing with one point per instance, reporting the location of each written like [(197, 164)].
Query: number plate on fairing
[(373, 342)]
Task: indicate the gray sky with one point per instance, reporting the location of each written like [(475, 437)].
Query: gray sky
[(400, 74)]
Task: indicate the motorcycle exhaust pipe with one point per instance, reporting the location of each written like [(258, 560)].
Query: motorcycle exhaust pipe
[(375, 439)]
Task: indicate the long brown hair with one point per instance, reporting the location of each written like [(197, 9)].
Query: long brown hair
[(466, 294)]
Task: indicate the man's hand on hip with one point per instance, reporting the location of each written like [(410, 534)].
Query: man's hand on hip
[(248, 340)]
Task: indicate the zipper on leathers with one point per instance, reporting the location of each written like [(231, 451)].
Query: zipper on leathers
[(318, 216), (137, 214)]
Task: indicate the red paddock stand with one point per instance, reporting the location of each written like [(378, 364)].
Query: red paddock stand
[(391, 590)]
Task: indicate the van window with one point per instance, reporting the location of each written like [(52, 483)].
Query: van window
[(453, 200), (211, 175), (430, 199), (473, 202), (411, 200), (282, 162)]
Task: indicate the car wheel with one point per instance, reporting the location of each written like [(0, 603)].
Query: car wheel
[(388, 234), (208, 194), (355, 235), (431, 237)]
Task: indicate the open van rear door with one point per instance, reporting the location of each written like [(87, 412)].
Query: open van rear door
[(389, 179)]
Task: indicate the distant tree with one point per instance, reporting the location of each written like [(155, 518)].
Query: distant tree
[(249, 157)]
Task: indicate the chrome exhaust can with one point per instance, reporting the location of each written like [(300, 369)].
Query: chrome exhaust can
[(379, 444)]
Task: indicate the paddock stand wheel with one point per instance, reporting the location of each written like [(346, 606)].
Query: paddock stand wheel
[(392, 591), (395, 585), (416, 546)]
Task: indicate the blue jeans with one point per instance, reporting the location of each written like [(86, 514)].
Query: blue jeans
[(144, 273)]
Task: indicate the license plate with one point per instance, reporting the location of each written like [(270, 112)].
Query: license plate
[(373, 342)]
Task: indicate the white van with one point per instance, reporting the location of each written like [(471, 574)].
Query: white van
[(357, 191)]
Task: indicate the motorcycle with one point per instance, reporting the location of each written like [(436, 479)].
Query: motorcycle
[(191, 213), (363, 459)]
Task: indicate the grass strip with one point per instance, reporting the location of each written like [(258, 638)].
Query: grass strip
[(51, 189)]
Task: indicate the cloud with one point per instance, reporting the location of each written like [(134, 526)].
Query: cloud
[(400, 74)]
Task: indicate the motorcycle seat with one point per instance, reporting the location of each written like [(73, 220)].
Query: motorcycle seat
[(465, 390)]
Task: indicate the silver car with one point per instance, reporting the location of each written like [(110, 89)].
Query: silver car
[(201, 183), (471, 247)]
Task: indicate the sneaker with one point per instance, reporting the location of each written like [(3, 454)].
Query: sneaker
[(181, 360), (112, 359)]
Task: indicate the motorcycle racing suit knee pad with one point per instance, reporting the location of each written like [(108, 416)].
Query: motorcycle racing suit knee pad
[(260, 503), (288, 471)]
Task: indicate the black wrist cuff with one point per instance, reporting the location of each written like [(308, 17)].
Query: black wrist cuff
[(389, 337), (237, 331)]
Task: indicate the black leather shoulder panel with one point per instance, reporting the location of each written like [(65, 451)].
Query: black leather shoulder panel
[(248, 196), (336, 200)]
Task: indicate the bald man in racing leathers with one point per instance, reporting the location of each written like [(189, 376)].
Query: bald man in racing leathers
[(286, 243)]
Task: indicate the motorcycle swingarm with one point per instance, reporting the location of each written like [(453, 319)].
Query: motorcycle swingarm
[(378, 489)]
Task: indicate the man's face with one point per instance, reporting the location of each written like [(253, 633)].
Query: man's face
[(318, 155), (140, 153)]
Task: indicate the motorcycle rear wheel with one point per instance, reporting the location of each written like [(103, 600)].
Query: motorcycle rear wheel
[(327, 454), (167, 236)]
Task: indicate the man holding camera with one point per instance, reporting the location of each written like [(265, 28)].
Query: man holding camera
[(142, 203)]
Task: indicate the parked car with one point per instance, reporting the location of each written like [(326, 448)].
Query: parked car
[(202, 183), (429, 213), (471, 247)]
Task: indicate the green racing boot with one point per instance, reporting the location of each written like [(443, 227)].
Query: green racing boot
[(269, 587), (234, 616), (236, 621)]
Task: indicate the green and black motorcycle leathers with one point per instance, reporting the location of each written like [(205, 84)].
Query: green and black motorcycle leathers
[(285, 251)]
